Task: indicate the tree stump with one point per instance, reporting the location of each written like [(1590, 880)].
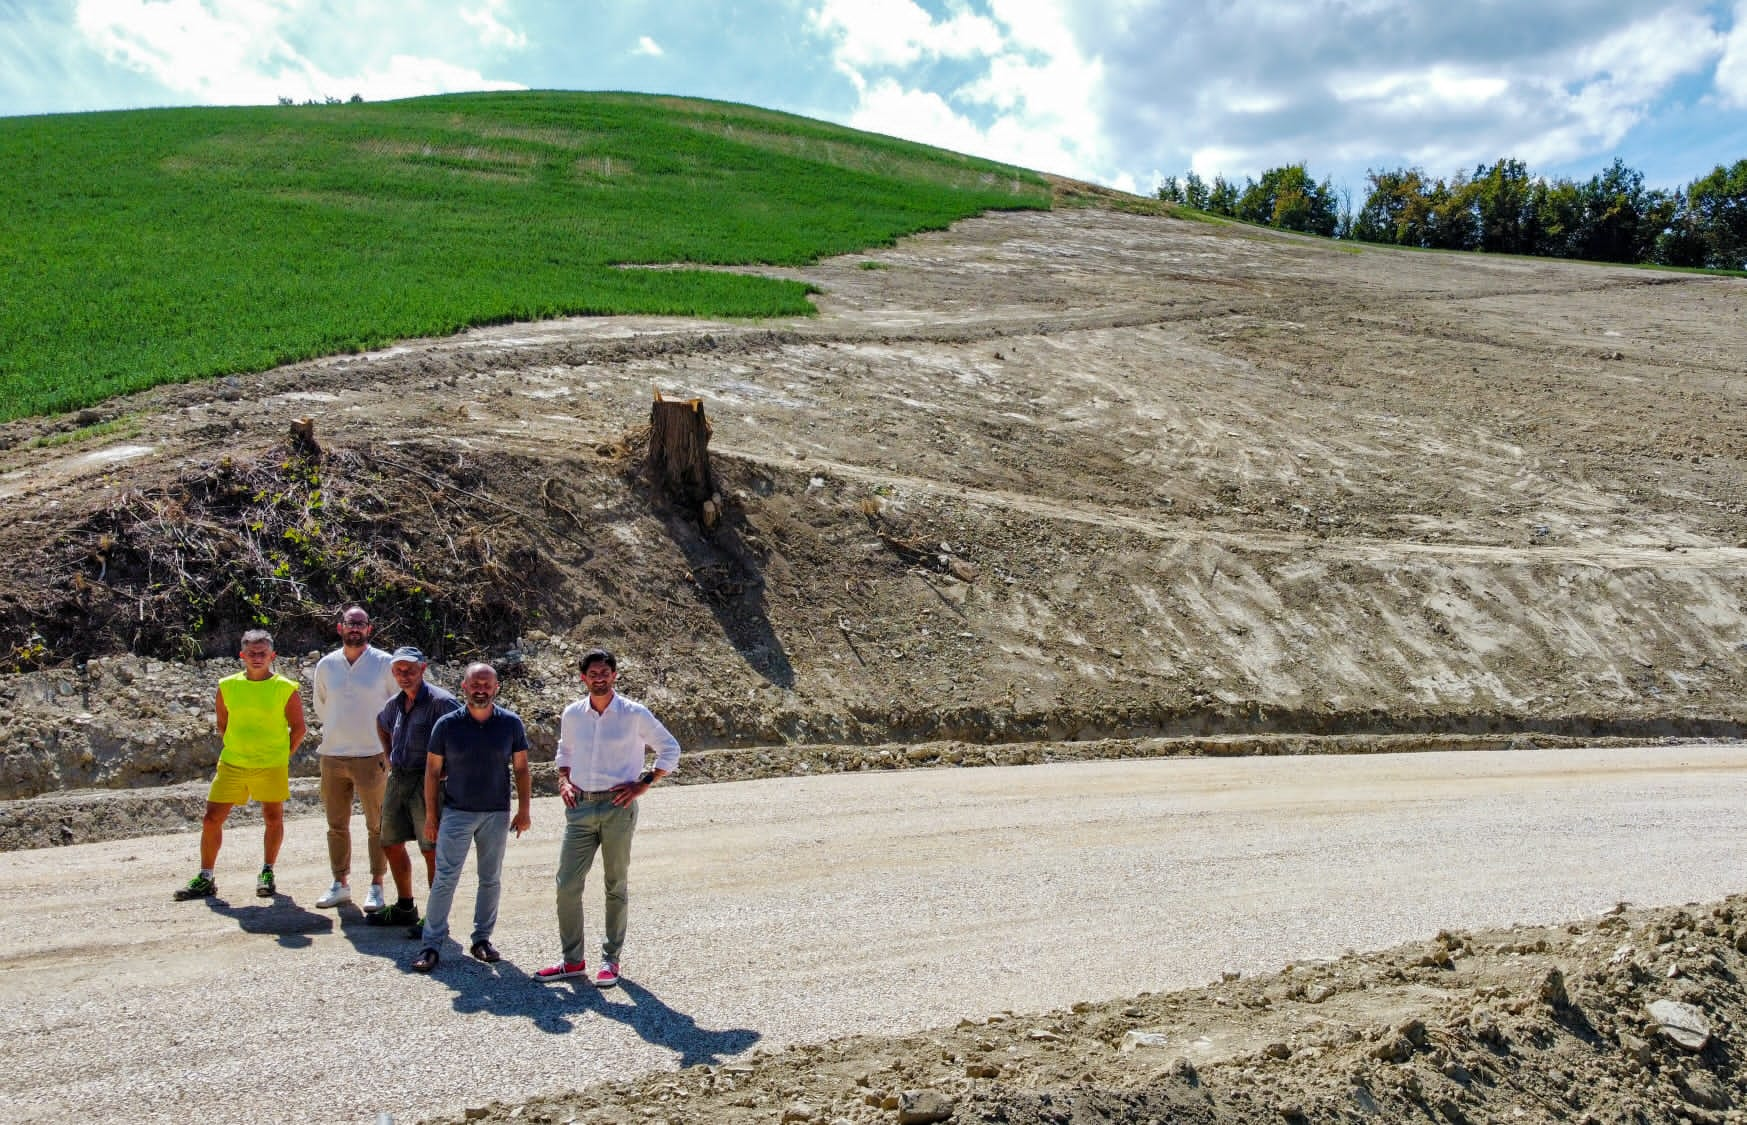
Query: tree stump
[(303, 437), (678, 462)]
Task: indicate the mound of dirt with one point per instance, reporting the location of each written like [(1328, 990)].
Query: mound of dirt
[(1638, 1016), (287, 536)]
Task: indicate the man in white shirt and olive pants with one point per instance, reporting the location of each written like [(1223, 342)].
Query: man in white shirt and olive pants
[(602, 742), (351, 685)]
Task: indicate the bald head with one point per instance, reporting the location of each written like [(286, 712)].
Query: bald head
[(479, 688)]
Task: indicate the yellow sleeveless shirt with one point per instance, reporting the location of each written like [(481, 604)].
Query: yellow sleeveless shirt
[(257, 735)]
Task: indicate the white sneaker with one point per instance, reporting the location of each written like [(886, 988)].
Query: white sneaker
[(373, 900), (337, 894)]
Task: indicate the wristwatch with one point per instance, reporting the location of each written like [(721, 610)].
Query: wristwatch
[(647, 777)]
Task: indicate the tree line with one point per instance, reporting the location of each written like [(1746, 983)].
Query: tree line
[(1501, 208)]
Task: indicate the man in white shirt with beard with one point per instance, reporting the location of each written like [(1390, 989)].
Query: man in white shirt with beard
[(351, 685), (602, 741)]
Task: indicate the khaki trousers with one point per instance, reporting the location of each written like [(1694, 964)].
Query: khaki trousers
[(341, 779), (591, 827)]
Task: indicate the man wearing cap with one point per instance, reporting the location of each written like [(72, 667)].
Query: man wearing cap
[(351, 685), (404, 727), (602, 741)]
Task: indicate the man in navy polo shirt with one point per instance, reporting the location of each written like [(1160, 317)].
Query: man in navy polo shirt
[(404, 728), (468, 764)]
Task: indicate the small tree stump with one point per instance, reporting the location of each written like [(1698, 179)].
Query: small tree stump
[(303, 437), (678, 462)]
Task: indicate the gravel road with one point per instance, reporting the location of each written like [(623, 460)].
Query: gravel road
[(770, 912)]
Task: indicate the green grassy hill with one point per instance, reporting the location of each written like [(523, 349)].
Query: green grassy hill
[(156, 246)]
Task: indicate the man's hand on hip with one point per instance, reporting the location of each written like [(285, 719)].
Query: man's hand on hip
[(627, 792)]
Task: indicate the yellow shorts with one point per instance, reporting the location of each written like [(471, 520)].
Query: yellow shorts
[(234, 785)]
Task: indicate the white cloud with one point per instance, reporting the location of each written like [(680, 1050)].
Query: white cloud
[(1025, 95), (898, 33), (410, 76), (918, 115), (1732, 67), (1035, 25), (493, 32), (647, 47), (231, 52)]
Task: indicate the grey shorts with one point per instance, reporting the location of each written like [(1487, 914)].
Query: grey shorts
[(403, 809)]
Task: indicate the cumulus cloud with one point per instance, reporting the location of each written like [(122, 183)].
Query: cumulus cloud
[(1732, 67), (899, 33), (493, 32), (1237, 86), (1007, 82), (647, 47), (231, 52)]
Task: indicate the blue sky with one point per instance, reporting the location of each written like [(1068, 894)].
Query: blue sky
[(1121, 92)]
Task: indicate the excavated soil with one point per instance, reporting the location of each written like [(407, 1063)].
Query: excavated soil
[(1077, 483), (1637, 1016)]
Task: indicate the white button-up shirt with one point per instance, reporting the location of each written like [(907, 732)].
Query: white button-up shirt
[(607, 749), (348, 696)]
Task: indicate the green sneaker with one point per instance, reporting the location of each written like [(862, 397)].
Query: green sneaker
[(417, 929), (201, 886), (264, 886)]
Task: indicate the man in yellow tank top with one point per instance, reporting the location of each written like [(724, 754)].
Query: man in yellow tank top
[(260, 718)]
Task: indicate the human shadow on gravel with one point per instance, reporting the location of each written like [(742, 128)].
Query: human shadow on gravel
[(495, 990), (653, 1020), (288, 922)]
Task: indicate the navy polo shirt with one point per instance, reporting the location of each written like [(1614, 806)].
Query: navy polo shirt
[(409, 732), (476, 758)]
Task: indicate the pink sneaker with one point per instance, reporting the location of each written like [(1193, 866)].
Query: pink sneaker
[(562, 971), (608, 976)]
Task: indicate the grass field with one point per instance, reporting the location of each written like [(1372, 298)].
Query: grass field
[(156, 246)]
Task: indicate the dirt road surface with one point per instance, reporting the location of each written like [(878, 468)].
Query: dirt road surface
[(796, 910)]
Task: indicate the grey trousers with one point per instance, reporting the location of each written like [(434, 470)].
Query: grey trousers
[(486, 831), (590, 827)]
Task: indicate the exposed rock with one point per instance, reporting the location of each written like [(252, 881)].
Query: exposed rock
[(1134, 1040), (923, 1107), (1553, 992), (1681, 1023)]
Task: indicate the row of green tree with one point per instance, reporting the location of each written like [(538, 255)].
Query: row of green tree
[(1611, 217)]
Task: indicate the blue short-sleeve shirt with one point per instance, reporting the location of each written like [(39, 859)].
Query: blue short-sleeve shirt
[(409, 732), (476, 758)]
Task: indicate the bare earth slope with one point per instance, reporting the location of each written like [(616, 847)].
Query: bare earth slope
[(1078, 484), (1064, 475)]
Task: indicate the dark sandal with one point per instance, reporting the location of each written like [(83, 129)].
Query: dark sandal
[(483, 951), (425, 961)]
